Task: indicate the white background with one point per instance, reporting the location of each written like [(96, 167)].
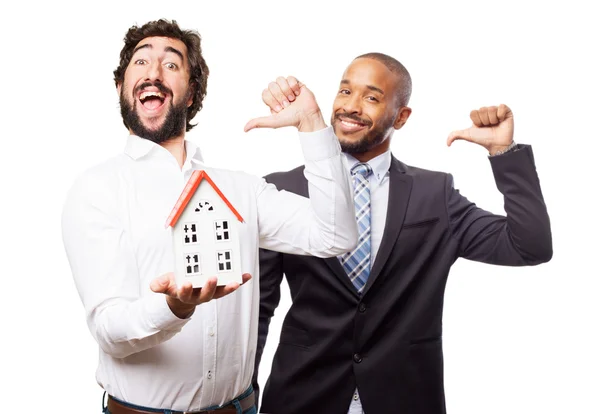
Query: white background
[(515, 340)]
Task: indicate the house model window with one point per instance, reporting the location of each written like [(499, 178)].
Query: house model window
[(224, 261), (192, 264), (190, 233), (205, 228), (204, 206), (222, 230)]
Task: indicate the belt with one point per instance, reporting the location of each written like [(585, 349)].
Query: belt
[(117, 407)]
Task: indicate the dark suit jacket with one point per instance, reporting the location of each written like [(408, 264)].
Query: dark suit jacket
[(388, 341)]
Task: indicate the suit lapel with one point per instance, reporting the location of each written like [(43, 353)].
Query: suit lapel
[(400, 186), (338, 270), (333, 262)]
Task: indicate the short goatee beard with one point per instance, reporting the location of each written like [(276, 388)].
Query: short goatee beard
[(358, 147), (365, 143), (173, 125)]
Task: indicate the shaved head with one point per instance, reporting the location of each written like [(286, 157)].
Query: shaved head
[(405, 82)]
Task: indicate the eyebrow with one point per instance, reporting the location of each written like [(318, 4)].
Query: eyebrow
[(167, 49), (370, 87), (172, 49)]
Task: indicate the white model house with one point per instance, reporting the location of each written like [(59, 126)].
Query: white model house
[(205, 234)]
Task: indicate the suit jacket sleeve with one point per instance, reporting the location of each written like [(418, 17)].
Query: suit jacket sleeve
[(271, 275), (521, 238), (271, 269)]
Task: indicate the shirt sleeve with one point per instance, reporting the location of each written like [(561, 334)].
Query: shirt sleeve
[(322, 225), (122, 319)]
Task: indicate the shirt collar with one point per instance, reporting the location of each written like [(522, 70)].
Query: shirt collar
[(137, 148), (380, 164), (193, 153)]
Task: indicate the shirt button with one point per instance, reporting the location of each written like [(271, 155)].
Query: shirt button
[(362, 308), (209, 375), (355, 396), (211, 332), (357, 358)]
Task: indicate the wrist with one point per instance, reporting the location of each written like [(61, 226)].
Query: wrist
[(311, 122), (501, 149), (180, 309)]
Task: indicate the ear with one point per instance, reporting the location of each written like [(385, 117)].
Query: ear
[(191, 94), (402, 116), (119, 86)]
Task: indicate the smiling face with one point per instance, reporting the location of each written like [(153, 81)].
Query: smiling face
[(366, 110), (156, 92)]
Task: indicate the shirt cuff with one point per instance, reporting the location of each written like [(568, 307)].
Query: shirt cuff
[(160, 316), (511, 148), (319, 145)]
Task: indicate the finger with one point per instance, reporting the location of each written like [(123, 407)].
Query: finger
[(264, 122), (278, 94), (185, 292), (504, 112), (208, 290), (163, 283), (270, 101), (195, 296), (231, 287), (475, 118), (285, 89), (483, 116), (226, 290), (493, 115), (294, 85), (464, 134)]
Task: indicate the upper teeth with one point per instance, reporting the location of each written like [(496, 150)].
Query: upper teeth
[(145, 95), (350, 123)]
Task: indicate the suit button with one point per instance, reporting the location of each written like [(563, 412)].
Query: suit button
[(362, 308), (357, 358)]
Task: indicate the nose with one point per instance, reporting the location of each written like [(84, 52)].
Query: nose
[(154, 72), (352, 104)]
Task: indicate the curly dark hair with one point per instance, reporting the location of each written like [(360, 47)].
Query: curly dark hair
[(191, 39)]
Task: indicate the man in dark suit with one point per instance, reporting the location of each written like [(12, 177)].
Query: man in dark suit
[(364, 331)]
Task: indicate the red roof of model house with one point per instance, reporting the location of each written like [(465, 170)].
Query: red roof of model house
[(188, 192)]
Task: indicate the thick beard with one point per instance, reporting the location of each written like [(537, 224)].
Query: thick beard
[(368, 141), (173, 125)]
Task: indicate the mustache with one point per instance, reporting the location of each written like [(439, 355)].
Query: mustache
[(352, 117), (162, 88)]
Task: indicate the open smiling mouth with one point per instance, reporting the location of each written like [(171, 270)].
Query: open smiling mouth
[(350, 125), (152, 100)]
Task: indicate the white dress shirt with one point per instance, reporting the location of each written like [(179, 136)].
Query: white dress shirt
[(379, 185), (116, 243)]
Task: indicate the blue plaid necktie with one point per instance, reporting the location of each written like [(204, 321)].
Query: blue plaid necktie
[(357, 263)]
